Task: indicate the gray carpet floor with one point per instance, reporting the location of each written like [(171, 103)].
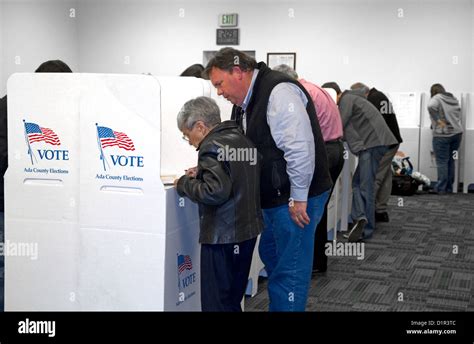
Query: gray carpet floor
[(422, 260)]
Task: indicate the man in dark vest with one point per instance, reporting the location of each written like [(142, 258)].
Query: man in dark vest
[(277, 114)]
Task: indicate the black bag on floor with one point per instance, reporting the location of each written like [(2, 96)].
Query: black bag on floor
[(404, 185)]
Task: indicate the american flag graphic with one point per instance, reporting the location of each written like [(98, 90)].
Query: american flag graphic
[(109, 137), (184, 263), (35, 133)]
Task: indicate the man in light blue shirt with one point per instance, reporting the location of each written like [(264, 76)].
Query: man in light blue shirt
[(274, 112)]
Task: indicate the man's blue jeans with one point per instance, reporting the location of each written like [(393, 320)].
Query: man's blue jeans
[(363, 191), (287, 252), (444, 148)]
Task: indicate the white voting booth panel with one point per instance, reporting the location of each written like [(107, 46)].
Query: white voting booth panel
[(468, 142), (465, 114), (336, 217), (407, 108), (335, 207), (347, 173), (427, 157), (31, 177), (224, 105), (177, 154), (110, 235), (332, 93), (41, 194)]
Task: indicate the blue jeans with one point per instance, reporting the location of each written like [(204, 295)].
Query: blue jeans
[(363, 187), (443, 148), (287, 252)]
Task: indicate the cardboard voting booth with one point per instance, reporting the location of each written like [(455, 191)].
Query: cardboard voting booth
[(335, 202), (91, 157), (467, 142), (407, 108)]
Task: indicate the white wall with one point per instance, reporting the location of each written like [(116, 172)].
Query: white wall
[(2, 84), (383, 50), (391, 53), (37, 31)]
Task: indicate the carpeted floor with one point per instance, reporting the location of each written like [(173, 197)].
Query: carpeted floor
[(422, 260)]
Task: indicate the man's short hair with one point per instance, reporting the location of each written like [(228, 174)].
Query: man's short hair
[(53, 66), (228, 58), (437, 88), (332, 85), (285, 69), (360, 87), (199, 109)]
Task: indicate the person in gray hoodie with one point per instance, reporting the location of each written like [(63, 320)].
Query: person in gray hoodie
[(445, 114), (368, 137)]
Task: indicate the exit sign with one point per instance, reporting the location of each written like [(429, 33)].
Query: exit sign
[(228, 20)]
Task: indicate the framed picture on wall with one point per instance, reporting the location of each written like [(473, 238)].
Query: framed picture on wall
[(275, 59)]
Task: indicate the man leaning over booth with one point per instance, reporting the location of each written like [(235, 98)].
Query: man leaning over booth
[(277, 115)]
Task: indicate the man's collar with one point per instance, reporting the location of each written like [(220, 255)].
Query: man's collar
[(246, 101)]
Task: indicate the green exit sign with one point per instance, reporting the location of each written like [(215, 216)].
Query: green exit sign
[(229, 20)]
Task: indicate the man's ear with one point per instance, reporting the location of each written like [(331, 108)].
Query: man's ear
[(237, 72)]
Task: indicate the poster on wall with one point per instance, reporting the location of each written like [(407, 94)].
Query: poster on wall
[(275, 59), (407, 107)]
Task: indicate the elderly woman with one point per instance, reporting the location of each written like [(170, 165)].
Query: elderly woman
[(226, 187)]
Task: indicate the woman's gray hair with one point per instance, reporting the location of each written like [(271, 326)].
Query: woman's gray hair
[(199, 109), (285, 69)]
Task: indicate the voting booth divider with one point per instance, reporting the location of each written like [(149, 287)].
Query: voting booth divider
[(337, 203), (91, 159), (407, 107), (467, 143)]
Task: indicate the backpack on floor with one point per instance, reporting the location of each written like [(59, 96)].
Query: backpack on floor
[(404, 185)]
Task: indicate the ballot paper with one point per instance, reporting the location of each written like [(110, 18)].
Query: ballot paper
[(169, 179)]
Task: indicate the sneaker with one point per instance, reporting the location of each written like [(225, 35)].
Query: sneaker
[(356, 232), (381, 217)]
